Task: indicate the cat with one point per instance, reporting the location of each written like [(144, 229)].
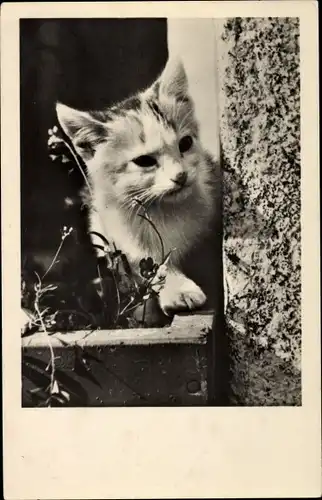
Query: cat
[(146, 149)]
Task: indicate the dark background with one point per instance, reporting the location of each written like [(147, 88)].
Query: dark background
[(87, 64)]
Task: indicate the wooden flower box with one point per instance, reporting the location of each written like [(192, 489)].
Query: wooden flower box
[(130, 367)]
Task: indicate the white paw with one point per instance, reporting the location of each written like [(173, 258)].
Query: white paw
[(180, 293)]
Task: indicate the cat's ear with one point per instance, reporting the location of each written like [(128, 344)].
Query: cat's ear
[(85, 131), (173, 80)]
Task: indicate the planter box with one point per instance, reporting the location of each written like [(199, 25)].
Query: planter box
[(143, 367)]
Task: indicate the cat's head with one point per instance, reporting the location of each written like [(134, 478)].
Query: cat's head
[(147, 147)]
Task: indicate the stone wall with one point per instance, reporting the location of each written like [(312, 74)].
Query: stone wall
[(259, 80)]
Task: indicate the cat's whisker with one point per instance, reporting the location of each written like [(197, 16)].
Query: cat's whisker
[(152, 200), (149, 198), (162, 195), (129, 206), (133, 203), (132, 196), (138, 207)]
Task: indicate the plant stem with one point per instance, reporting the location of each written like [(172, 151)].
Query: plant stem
[(53, 262), (157, 232), (144, 311), (118, 298), (127, 306), (134, 307), (70, 149), (52, 355)]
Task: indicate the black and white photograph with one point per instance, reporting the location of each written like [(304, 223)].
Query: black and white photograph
[(160, 249), (160, 212)]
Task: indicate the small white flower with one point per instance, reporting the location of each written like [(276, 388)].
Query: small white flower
[(53, 139), (68, 201)]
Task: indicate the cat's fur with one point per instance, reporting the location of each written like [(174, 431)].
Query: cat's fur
[(151, 123)]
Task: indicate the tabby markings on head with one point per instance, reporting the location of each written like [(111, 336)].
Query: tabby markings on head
[(146, 148)]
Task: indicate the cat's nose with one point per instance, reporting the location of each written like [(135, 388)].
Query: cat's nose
[(180, 178)]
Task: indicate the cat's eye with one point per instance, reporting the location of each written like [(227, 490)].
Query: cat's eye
[(185, 143), (145, 161)]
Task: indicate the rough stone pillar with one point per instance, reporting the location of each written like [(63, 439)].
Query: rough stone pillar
[(259, 74)]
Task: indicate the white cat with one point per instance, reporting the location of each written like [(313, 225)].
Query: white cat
[(147, 148)]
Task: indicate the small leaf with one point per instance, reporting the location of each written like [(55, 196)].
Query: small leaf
[(82, 370), (65, 395), (167, 257), (55, 389), (50, 287), (35, 390), (101, 237), (57, 400), (100, 247), (126, 265), (77, 392)]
